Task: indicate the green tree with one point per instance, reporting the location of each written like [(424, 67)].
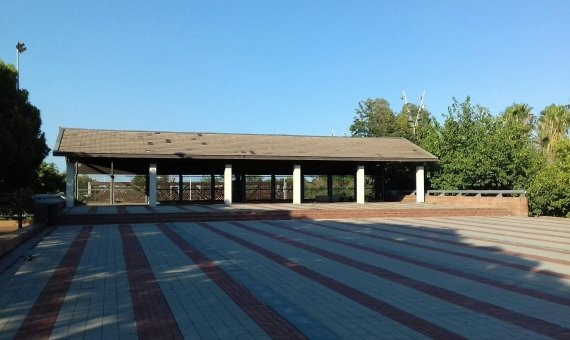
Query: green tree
[(553, 126), (406, 117), (549, 190), (22, 143), (479, 151), (521, 113), (374, 118), (49, 180)]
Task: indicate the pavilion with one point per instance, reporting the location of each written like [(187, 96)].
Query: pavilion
[(220, 167)]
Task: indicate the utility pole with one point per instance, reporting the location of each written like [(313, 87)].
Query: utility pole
[(20, 48)]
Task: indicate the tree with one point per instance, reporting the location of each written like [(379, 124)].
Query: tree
[(49, 180), (521, 113), (22, 143), (374, 118), (549, 190), (553, 125), (479, 151), (406, 117)]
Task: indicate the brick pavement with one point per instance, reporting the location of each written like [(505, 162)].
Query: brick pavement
[(464, 291), (22, 284), (270, 321), (42, 316), (98, 304), (343, 270), (153, 315), (474, 277)]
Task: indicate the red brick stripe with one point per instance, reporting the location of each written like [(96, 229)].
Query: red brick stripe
[(414, 322), (509, 223), (513, 288), (502, 227), (462, 226), (445, 251), (153, 316), (270, 321), (515, 318), (42, 317), (486, 248)]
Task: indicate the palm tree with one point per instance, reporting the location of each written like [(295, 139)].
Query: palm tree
[(521, 113), (553, 125)]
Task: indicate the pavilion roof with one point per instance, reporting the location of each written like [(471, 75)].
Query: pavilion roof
[(73, 142)]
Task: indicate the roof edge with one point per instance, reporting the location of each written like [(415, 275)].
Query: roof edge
[(58, 140), (244, 157), (232, 133)]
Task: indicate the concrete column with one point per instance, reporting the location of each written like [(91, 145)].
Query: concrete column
[(420, 190), (69, 184), (228, 184), (360, 184), (297, 184), (152, 185)]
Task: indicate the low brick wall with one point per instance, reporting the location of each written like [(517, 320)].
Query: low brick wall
[(517, 206), (249, 215)]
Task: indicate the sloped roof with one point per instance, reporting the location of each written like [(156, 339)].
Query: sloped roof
[(73, 142)]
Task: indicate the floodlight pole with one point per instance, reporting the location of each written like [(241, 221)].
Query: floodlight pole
[(17, 69), (413, 121), (20, 48)]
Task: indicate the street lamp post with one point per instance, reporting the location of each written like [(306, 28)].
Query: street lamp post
[(20, 48)]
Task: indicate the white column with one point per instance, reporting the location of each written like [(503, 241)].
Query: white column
[(152, 185), (297, 184), (420, 191), (69, 184), (228, 184), (360, 184)]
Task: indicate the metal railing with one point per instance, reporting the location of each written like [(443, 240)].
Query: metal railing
[(476, 193)]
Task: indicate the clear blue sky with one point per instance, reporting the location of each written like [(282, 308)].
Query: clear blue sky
[(293, 67)]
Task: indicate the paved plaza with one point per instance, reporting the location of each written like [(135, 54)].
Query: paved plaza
[(393, 278)]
